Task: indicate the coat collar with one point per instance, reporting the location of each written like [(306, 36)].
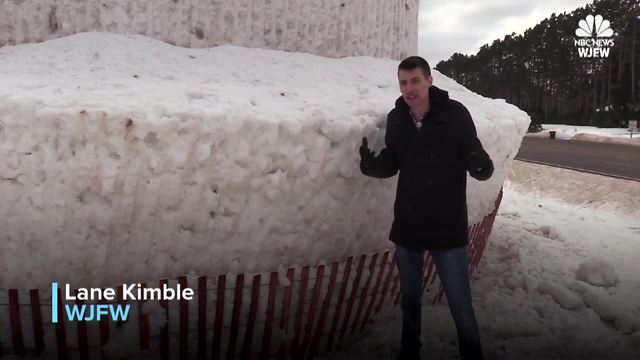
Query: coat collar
[(437, 99)]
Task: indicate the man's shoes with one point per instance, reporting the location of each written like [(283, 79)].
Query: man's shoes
[(407, 355)]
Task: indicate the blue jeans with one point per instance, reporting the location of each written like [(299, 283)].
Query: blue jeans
[(453, 270)]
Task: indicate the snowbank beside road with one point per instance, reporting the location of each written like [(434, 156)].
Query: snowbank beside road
[(582, 189), (589, 133)]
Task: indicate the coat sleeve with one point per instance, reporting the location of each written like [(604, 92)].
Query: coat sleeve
[(477, 160), (386, 163)]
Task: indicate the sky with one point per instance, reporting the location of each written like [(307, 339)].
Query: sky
[(464, 26)]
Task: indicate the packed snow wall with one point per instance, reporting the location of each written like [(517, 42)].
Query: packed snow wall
[(125, 158), (333, 28)]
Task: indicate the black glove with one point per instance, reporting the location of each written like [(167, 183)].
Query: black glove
[(366, 155), (481, 165), (478, 163)]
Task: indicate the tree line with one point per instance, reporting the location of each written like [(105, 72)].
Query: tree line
[(542, 72)]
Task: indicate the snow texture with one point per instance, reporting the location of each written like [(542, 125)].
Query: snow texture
[(596, 272), (565, 298), (128, 159), (334, 28)]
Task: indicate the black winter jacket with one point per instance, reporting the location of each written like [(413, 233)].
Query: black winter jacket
[(430, 210)]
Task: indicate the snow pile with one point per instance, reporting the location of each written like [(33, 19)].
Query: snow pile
[(528, 302), (596, 272), (126, 158), (598, 302), (565, 298), (590, 133), (327, 28), (575, 132)]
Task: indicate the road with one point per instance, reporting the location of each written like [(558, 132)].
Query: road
[(617, 160)]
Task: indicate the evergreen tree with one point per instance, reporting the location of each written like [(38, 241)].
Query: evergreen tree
[(541, 71)]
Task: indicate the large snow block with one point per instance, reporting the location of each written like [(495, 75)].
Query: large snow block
[(334, 28), (125, 159)]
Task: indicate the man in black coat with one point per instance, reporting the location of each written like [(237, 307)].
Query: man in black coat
[(432, 142)]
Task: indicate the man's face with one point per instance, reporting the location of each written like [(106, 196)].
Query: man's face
[(414, 86)]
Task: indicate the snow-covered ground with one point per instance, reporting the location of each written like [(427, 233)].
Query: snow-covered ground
[(589, 133), (559, 279), (586, 190), (127, 159)]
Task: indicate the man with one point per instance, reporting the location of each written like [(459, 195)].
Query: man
[(431, 140)]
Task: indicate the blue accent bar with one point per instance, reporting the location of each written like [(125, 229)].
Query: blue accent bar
[(54, 303)]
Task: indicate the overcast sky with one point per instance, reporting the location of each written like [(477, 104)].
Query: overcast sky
[(463, 26)]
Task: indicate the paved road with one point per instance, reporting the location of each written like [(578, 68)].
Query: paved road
[(616, 160)]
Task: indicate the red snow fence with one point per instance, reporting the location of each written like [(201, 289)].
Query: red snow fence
[(248, 316)]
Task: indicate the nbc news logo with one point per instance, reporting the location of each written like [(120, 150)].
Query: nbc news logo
[(594, 37)]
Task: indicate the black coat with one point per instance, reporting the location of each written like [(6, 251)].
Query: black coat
[(430, 210)]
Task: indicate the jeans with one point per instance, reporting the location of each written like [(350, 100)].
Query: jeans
[(453, 270)]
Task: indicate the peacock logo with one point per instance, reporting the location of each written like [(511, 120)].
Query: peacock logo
[(594, 26), (594, 37)]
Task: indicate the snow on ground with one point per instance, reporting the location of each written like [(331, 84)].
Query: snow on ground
[(586, 190), (125, 157), (589, 133), (559, 280), (569, 131)]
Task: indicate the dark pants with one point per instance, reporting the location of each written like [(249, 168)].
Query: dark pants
[(453, 270)]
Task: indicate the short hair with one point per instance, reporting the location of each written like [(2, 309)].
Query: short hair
[(413, 62)]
